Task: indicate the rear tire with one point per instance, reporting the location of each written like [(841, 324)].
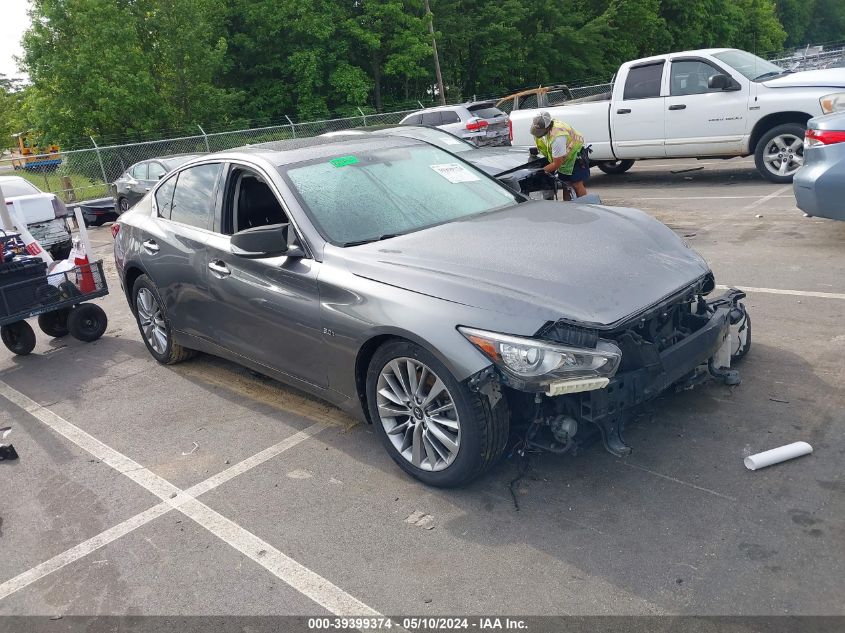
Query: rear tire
[(482, 429), (87, 322), (19, 337), (54, 323), (122, 205), (614, 167), (154, 325)]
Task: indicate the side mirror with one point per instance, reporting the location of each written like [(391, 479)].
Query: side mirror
[(722, 82), (265, 241)]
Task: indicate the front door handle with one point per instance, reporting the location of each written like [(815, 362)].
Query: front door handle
[(678, 106), (150, 246), (623, 111), (219, 269)]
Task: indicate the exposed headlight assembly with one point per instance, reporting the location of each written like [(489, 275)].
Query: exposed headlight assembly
[(833, 102), (536, 365)]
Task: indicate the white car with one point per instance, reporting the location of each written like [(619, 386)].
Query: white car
[(45, 215), (717, 102), (480, 123)]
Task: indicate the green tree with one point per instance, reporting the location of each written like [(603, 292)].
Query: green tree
[(12, 112)]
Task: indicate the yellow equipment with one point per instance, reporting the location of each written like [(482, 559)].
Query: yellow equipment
[(27, 155)]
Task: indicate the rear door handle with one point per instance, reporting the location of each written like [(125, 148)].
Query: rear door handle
[(678, 106), (219, 269), (150, 246), (623, 111)]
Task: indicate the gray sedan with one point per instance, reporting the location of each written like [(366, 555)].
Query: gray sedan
[(819, 185), (413, 290)]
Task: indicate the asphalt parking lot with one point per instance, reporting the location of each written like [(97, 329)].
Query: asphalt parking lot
[(201, 489)]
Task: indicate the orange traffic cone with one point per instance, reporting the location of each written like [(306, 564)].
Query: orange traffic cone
[(84, 278)]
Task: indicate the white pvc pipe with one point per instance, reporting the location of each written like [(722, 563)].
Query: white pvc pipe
[(777, 455)]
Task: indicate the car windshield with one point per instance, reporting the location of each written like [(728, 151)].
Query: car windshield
[(18, 187), (376, 194), (751, 66), (441, 139)]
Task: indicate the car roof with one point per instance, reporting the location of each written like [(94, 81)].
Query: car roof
[(290, 151), (10, 178)]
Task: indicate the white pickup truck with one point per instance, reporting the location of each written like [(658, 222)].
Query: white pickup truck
[(717, 102)]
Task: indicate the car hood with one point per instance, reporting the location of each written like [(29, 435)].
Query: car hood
[(495, 161), (822, 78), (544, 260)]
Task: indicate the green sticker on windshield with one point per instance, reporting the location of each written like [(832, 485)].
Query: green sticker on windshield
[(343, 161)]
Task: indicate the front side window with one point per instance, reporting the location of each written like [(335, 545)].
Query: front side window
[(193, 199), (447, 116), (250, 203), (643, 82), (382, 192), (690, 77), (157, 170)]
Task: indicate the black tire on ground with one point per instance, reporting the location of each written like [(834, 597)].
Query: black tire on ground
[(54, 323), (122, 205), (19, 337), (483, 429), (173, 352), (785, 130), (87, 322), (615, 166)]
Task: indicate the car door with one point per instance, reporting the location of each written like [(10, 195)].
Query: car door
[(173, 245), (266, 309), (136, 187), (703, 121), (638, 119)]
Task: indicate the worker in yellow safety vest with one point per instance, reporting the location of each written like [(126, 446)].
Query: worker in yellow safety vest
[(563, 147)]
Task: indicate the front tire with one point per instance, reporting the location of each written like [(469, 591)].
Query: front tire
[(780, 152), (431, 425), (614, 167), (154, 325)]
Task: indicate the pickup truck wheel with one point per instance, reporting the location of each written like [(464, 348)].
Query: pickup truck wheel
[(433, 426), (615, 166), (780, 153)]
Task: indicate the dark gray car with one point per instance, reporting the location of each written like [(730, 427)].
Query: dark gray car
[(402, 284), (819, 185), (136, 182)]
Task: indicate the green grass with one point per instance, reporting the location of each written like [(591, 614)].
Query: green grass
[(84, 188)]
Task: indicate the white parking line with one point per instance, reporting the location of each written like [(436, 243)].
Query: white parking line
[(795, 293), (299, 577), (775, 194)]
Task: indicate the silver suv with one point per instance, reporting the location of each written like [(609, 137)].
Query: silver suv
[(481, 123)]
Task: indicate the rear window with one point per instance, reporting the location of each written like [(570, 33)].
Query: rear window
[(18, 187), (644, 81), (485, 112)]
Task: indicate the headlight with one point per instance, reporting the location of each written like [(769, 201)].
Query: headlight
[(537, 364), (833, 102)]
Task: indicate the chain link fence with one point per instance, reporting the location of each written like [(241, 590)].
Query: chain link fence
[(829, 55)]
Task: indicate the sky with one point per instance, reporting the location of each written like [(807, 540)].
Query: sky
[(13, 22)]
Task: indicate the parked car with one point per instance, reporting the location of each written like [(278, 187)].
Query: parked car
[(541, 97), (135, 182), (820, 184), (716, 102), (413, 290), (481, 123), (45, 215)]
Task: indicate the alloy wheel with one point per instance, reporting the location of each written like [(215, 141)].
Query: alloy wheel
[(151, 320), (784, 155), (418, 414)]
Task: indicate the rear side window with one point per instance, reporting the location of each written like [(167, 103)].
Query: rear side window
[(448, 116), (193, 199), (139, 171), (485, 112), (644, 81), (413, 120), (431, 118)]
